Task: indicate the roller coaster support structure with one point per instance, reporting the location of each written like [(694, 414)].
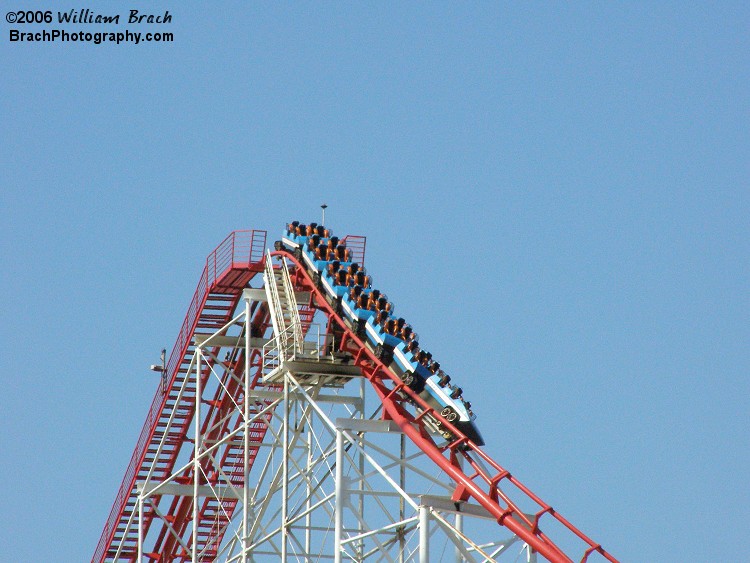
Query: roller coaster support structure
[(282, 436)]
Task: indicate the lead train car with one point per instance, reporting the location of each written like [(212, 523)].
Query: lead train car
[(318, 252)]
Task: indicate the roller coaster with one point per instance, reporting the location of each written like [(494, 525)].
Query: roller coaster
[(301, 419)]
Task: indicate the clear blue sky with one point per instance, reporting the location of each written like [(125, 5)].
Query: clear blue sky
[(556, 196)]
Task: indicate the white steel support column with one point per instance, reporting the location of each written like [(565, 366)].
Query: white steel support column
[(339, 496), (401, 502), (424, 534), (196, 456), (309, 487), (361, 459), (459, 524), (285, 472), (140, 527), (460, 528), (246, 453)]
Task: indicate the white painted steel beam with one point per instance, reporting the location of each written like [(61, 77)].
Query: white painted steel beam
[(445, 504), (259, 295), (223, 341), (175, 489)]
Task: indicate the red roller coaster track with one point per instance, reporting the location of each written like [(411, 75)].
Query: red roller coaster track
[(164, 438)]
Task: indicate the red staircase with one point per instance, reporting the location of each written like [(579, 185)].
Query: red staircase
[(229, 268)]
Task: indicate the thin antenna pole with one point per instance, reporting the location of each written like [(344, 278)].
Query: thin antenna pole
[(323, 207)]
